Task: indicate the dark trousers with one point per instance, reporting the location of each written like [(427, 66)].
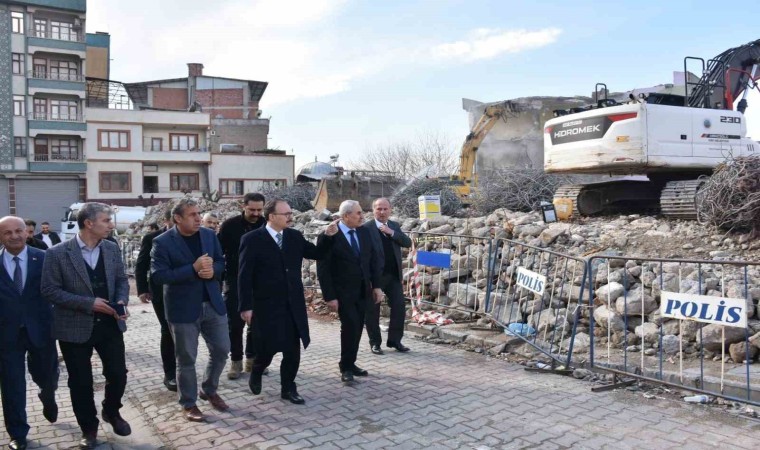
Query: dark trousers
[(395, 294), (291, 360), (236, 329), (351, 313), (108, 341), (43, 366), (167, 341)]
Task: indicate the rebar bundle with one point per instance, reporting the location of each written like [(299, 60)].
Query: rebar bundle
[(515, 189), (730, 198)]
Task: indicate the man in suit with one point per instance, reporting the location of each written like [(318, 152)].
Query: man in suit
[(388, 237), (26, 331), (50, 238), (187, 260), (85, 280), (151, 292), (210, 221), (230, 233), (271, 293), (31, 240), (350, 278)]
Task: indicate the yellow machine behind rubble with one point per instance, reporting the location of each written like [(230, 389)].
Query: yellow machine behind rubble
[(467, 179)]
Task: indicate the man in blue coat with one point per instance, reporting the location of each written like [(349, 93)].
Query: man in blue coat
[(26, 324), (188, 261), (270, 293)]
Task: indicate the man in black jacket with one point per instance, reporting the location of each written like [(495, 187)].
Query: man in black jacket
[(350, 278), (151, 292), (50, 238), (389, 238), (271, 294), (230, 233), (32, 241)]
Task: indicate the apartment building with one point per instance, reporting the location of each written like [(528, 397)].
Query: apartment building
[(42, 90)]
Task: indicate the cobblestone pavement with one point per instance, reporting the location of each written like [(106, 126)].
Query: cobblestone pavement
[(433, 397)]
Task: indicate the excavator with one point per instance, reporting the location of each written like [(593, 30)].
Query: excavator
[(657, 145), (463, 183)]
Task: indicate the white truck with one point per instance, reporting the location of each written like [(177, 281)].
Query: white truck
[(123, 217)]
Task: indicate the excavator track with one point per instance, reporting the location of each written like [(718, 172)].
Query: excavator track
[(570, 192), (678, 199)]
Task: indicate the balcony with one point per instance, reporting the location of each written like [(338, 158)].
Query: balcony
[(42, 162), (59, 39), (57, 122), (59, 81)]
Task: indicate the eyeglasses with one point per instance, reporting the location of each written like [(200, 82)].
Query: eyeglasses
[(288, 214)]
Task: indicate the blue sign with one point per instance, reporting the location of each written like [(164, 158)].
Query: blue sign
[(434, 259)]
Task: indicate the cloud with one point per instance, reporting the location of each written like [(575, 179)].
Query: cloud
[(489, 43)]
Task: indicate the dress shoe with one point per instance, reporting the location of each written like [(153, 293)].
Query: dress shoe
[(398, 346), (215, 401), (376, 349), (171, 385), (17, 444), (193, 414), (293, 397), (346, 376), (254, 382), (49, 407), (120, 426), (236, 368), (359, 372), (89, 440)]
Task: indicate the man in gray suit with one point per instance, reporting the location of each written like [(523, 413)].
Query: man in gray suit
[(388, 238), (85, 280)]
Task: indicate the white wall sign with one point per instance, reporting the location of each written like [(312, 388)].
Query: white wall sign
[(731, 312), (531, 281)]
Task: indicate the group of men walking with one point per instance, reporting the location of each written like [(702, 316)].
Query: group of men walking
[(201, 285)]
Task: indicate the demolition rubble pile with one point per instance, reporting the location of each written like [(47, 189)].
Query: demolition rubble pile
[(620, 287)]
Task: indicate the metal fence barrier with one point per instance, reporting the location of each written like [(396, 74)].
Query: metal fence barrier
[(672, 321)]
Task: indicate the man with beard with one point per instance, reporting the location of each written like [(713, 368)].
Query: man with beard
[(229, 236)]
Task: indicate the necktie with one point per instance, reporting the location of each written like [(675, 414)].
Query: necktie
[(279, 239), (18, 280), (354, 242)]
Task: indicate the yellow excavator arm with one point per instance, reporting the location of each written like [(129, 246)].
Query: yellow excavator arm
[(467, 177)]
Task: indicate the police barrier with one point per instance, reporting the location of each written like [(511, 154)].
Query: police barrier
[(536, 295), (680, 323), (130, 249)]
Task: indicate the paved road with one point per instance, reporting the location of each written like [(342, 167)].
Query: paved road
[(433, 397)]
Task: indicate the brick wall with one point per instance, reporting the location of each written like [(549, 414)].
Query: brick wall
[(251, 137), (170, 98), (219, 97)]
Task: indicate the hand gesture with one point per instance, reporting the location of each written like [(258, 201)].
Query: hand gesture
[(386, 230), (206, 274), (102, 307), (332, 229), (378, 295), (246, 316), (333, 305)]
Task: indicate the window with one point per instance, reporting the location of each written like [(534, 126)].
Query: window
[(64, 70), (273, 184), (19, 146), (64, 150), (183, 142), (115, 181), (40, 27), (40, 109), (40, 67), (19, 108), (156, 144), (113, 140), (40, 149), (64, 110), (62, 31), (184, 181), (231, 187), (18, 63), (17, 22)]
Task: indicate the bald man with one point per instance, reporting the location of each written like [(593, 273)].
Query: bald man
[(26, 332)]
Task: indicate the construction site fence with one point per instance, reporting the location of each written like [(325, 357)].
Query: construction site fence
[(535, 294), (637, 329)]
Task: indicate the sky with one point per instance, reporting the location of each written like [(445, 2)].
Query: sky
[(349, 76)]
